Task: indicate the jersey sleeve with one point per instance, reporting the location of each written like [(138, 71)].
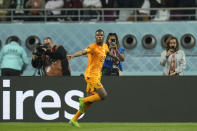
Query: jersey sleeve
[(89, 49)]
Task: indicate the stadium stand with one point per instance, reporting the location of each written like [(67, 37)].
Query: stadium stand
[(140, 34), (101, 10)]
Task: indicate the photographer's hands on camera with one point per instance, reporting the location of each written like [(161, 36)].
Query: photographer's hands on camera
[(113, 47), (170, 51)]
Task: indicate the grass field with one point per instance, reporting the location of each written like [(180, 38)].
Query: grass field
[(99, 127)]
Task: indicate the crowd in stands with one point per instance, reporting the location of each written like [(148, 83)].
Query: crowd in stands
[(122, 15)]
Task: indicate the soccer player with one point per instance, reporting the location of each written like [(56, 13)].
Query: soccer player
[(95, 91)]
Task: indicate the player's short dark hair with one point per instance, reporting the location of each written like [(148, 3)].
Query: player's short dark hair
[(99, 30)]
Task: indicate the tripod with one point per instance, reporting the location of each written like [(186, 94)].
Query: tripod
[(38, 71)]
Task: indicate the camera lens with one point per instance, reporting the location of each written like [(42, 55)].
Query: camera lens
[(113, 40)]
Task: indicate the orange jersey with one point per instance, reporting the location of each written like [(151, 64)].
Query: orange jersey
[(96, 57)]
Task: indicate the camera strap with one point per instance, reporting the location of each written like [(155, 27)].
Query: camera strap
[(172, 64), (113, 52)]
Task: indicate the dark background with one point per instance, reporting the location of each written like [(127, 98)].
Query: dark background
[(130, 98)]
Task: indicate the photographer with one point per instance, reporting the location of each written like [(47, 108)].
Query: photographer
[(172, 58), (110, 68), (50, 58), (13, 58)]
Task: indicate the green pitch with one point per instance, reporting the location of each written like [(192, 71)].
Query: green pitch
[(99, 127)]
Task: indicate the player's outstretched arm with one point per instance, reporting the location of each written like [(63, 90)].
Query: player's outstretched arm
[(77, 54)]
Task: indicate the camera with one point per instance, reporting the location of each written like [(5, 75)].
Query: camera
[(113, 44), (113, 40), (39, 49)]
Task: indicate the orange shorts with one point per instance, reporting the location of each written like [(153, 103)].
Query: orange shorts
[(92, 84)]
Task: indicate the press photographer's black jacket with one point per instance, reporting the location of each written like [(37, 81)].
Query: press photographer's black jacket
[(56, 54)]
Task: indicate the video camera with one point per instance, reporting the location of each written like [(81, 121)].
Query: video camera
[(40, 49)]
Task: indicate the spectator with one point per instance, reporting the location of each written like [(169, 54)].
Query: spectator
[(54, 4), (128, 15), (13, 59), (110, 4), (92, 15), (110, 68), (72, 15), (4, 4), (92, 4), (35, 4), (145, 12), (162, 14), (173, 59), (19, 5)]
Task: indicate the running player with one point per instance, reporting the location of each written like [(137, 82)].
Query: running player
[(95, 91)]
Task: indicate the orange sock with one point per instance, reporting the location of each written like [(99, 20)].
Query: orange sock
[(92, 98), (78, 114)]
